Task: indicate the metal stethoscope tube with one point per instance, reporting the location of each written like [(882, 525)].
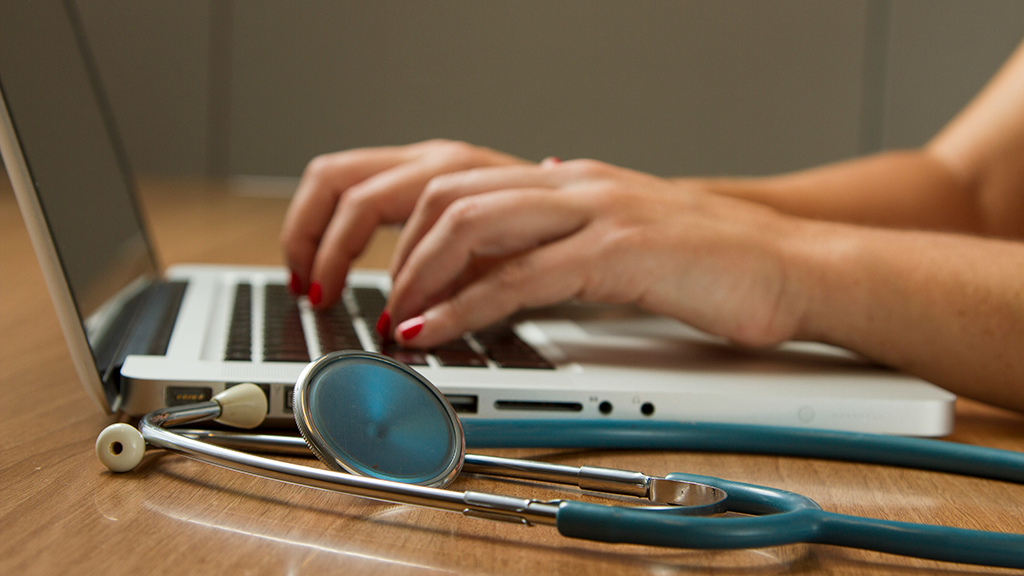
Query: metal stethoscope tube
[(469, 503), (225, 449)]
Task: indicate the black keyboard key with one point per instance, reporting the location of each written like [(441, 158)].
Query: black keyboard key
[(239, 345), (507, 350), (458, 353), (240, 355), (285, 356), (335, 332), (370, 302), (283, 337), (408, 356)]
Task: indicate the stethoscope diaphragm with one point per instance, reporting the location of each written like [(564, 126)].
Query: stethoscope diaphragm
[(367, 414)]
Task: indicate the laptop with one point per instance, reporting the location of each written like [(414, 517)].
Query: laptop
[(142, 338)]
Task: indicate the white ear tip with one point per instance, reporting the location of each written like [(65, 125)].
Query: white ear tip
[(242, 406), (120, 447)]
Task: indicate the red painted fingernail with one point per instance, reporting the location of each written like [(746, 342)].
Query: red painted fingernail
[(384, 325), (410, 328), (551, 160), (316, 293), (295, 285)]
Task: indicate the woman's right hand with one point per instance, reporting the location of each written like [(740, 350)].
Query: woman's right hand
[(342, 197)]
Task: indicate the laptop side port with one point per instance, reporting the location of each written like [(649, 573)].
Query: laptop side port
[(289, 395), (181, 395), (535, 406), (463, 403)]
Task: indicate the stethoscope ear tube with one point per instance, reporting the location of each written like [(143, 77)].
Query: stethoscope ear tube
[(787, 519)]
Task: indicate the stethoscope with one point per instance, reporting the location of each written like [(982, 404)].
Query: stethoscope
[(388, 434)]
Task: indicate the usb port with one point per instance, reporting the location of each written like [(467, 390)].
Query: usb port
[(289, 395), (463, 403)]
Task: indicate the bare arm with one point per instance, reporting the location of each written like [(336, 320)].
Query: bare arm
[(969, 178), (946, 307)]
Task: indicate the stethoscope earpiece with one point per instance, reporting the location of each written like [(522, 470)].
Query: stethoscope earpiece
[(120, 447)]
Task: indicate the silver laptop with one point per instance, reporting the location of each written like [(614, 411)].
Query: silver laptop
[(141, 339)]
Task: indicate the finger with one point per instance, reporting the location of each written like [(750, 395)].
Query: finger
[(486, 225), (442, 191), (386, 197), (548, 275), (323, 183)]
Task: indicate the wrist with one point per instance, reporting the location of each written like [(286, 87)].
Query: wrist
[(819, 263)]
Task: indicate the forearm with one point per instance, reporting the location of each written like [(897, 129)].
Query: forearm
[(948, 308), (906, 189), (968, 178)]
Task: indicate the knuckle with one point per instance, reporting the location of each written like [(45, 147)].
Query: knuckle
[(456, 309), (513, 274), (436, 142), (291, 252), (462, 214), (357, 199), (442, 189), (592, 168), (457, 153), (607, 196), (437, 195), (289, 241), (434, 200), (318, 167), (438, 186), (298, 253)]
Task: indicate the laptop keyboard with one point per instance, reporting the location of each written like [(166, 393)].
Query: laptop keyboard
[(285, 341)]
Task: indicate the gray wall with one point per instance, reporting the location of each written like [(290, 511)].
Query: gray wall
[(669, 86)]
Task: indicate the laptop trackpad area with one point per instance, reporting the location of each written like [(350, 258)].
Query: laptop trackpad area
[(625, 337)]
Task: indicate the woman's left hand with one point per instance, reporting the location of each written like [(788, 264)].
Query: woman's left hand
[(484, 243)]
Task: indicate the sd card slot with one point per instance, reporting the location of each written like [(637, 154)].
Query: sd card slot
[(538, 406)]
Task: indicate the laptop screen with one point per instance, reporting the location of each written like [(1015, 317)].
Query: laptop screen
[(65, 131)]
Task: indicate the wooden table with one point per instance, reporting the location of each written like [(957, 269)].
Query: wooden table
[(62, 512)]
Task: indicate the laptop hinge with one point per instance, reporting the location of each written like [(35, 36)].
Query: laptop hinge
[(148, 332)]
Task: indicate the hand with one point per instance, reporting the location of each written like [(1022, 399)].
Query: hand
[(342, 197), (484, 243)]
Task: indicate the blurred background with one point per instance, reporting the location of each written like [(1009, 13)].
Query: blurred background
[(252, 90)]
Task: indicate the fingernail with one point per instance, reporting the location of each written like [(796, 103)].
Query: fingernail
[(410, 328), (316, 293), (384, 325), (295, 285), (550, 160)]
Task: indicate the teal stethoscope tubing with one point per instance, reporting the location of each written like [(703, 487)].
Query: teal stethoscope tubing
[(786, 518), (780, 517), (919, 453)]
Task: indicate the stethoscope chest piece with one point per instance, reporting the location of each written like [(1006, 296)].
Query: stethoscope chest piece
[(366, 414)]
